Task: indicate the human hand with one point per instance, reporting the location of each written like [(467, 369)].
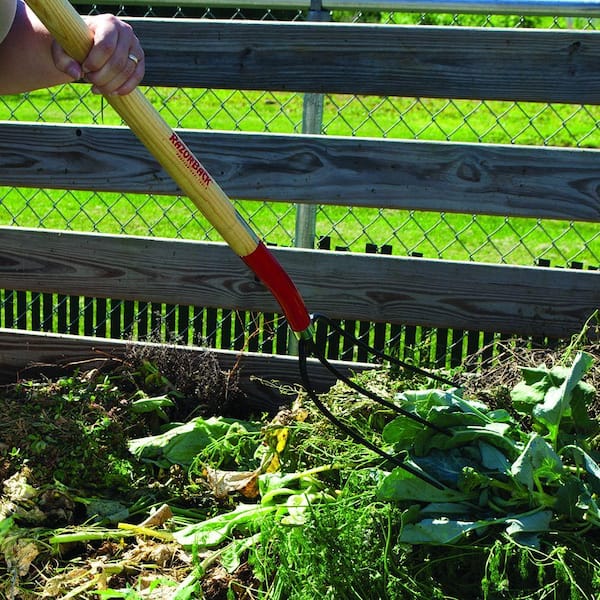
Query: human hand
[(110, 66)]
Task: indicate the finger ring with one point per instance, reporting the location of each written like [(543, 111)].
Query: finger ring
[(134, 58)]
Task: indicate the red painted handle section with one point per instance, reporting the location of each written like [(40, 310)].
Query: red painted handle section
[(272, 274)]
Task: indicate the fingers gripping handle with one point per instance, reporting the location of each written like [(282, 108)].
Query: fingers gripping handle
[(71, 32)]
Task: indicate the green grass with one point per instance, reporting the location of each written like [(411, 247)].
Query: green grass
[(448, 236)]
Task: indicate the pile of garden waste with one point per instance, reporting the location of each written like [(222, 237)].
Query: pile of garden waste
[(147, 480)]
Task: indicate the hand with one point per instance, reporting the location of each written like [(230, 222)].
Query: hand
[(108, 66)]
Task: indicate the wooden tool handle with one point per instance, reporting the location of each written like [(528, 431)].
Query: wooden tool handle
[(72, 33)]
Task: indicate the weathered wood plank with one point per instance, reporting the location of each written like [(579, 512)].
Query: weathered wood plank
[(27, 354), (415, 291), (569, 8), (461, 62), (536, 182)]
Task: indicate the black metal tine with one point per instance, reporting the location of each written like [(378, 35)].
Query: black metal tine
[(378, 353), (305, 348), (376, 398)]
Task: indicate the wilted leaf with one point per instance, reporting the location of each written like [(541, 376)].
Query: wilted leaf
[(19, 553), (225, 483)]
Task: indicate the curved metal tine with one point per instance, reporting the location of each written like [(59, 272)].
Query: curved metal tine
[(371, 350), (413, 470), (372, 396)]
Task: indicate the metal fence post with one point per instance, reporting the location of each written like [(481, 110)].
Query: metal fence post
[(312, 122)]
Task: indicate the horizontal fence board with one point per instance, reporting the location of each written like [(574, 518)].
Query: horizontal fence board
[(584, 8), (25, 353), (535, 182), (521, 300), (391, 60)]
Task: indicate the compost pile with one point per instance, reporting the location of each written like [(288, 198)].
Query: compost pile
[(142, 478)]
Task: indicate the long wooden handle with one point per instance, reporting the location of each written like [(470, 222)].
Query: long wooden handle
[(72, 33)]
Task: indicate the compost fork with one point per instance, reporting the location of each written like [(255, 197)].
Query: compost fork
[(71, 32)]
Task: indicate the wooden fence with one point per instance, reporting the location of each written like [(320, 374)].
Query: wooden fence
[(37, 266)]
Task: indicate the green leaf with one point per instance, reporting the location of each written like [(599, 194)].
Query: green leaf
[(152, 405), (590, 465), (181, 444), (213, 532), (492, 458), (536, 455), (446, 508), (422, 401), (493, 433), (525, 396), (5, 525), (445, 466), (557, 400), (400, 485), (573, 499), (525, 529), (401, 432), (527, 523), (231, 556), (583, 394), (441, 530)]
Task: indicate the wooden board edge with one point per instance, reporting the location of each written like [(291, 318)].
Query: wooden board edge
[(267, 380)]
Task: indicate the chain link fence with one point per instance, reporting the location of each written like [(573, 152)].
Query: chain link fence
[(509, 240)]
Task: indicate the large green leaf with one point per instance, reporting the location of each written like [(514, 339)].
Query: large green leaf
[(546, 394), (537, 455), (400, 485), (591, 466), (441, 530), (181, 444)]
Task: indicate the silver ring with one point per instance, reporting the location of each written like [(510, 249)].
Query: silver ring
[(134, 58)]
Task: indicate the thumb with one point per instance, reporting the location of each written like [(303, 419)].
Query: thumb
[(66, 63)]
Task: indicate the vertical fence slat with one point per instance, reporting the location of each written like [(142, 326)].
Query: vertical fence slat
[(116, 307), (211, 327), (61, 313), (143, 310), (88, 316), (21, 310), (101, 317), (36, 311), (74, 315)]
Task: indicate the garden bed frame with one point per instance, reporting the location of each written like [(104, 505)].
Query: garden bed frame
[(538, 182)]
